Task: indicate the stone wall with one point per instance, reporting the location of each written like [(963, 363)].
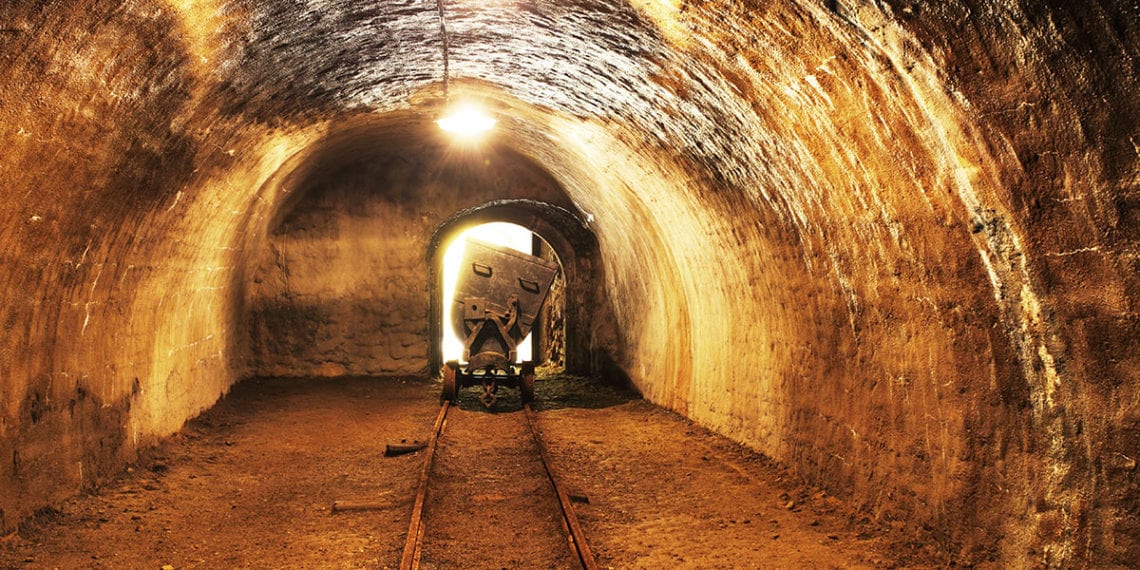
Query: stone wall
[(550, 337)]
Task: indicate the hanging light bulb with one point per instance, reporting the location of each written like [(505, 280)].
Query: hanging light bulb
[(466, 122)]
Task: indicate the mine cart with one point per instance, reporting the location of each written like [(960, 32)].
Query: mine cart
[(497, 298)]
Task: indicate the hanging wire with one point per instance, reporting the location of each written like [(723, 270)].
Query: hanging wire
[(443, 33)]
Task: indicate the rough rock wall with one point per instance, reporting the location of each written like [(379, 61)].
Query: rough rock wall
[(893, 245), (1059, 115), (341, 292), (125, 207), (550, 337)]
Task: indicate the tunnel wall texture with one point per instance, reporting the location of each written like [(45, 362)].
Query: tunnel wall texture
[(893, 245)]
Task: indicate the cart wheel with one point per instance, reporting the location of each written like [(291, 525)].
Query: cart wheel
[(527, 388), (450, 390)]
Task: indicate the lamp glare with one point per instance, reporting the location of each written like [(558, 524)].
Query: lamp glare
[(466, 122)]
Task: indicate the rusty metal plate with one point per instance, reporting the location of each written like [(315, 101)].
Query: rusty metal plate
[(490, 274)]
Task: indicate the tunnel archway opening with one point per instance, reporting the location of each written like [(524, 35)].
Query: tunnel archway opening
[(545, 345), (556, 234)]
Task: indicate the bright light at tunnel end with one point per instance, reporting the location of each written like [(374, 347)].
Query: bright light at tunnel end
[(499, 233), (466, 122)]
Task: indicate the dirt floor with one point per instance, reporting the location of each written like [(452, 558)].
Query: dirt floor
[(252, 483)]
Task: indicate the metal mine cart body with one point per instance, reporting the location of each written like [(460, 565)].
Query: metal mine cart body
[(497, 298)]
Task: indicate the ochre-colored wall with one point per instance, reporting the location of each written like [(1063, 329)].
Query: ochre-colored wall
[(893, 245)]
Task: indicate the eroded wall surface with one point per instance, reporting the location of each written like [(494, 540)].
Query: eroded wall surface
[(893, 245)]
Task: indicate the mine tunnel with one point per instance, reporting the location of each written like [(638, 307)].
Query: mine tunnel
[(891, 247)]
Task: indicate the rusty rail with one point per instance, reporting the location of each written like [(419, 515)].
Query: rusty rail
[(414, 543), (574, 528)]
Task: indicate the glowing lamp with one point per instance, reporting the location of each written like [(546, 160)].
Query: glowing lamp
[(466, 122)]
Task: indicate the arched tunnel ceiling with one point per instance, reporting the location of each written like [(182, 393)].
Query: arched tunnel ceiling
[(408, 144), (894, 245)]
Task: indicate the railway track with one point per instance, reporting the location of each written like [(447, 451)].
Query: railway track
[(418, 527)]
